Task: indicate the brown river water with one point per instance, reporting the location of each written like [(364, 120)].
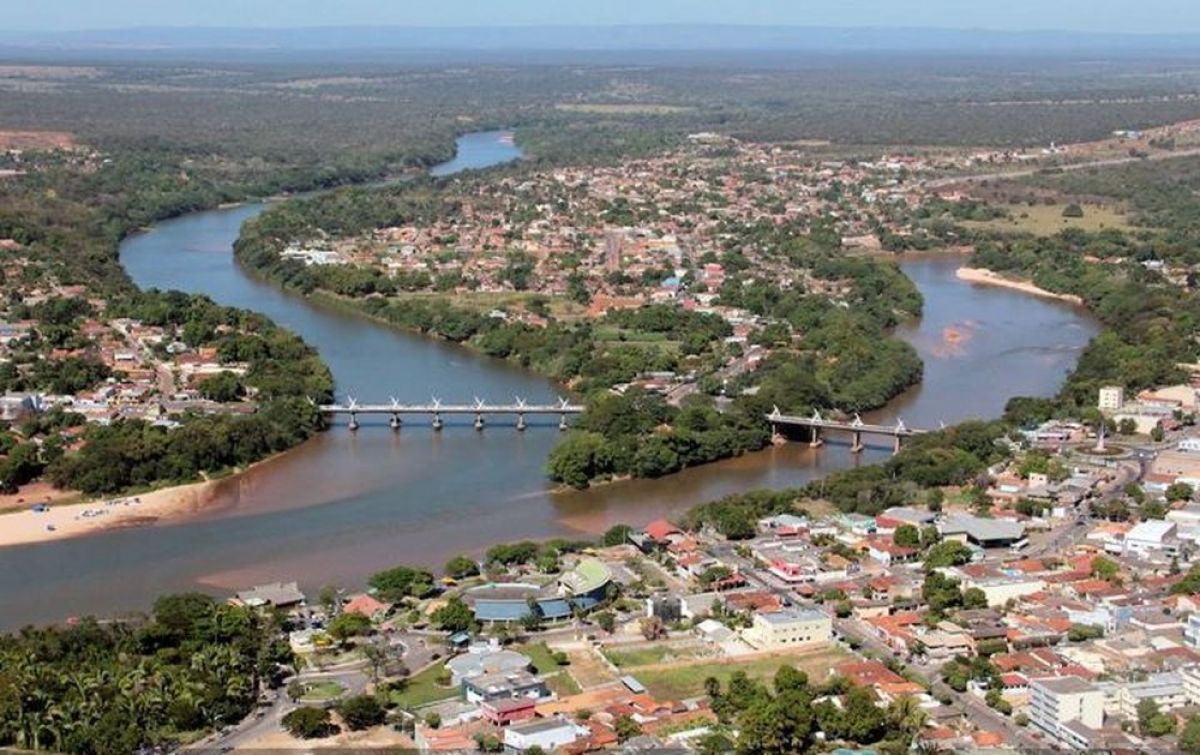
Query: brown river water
[(347, 504)]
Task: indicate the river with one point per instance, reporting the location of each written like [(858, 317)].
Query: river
[(346, 504)]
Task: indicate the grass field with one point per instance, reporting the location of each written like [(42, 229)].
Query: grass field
[(679, 682), (423, 689), (651, 655), (541, 656), (321, 691), (1047, 220)]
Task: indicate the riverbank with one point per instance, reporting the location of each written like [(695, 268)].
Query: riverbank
[(75, 519), (985, 277)]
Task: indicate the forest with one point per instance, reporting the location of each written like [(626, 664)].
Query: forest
[(191, 666)]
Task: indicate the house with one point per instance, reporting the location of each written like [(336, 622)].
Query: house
[(789, 628), (274, 595), (510, 711), (367, 605), (547, 733), (504, 686), (1060, 706), (443, 740)]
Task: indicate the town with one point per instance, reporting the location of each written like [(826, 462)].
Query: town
[(1051, 605)]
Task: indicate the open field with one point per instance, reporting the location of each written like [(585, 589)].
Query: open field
[(647, 656), (423, 689), (686, 680), (1047, 220)]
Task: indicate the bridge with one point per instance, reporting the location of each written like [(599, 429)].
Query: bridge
[(436, 409), (817, 424)]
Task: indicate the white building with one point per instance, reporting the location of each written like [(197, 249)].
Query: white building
[(1152, 536), (1166, 690), (1191, 634), (999, 590), (546, 733), (1190, 677), (1112, 398), (789, 628), (1059, 706)]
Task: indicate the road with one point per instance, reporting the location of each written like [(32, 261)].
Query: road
[(1025, 173)]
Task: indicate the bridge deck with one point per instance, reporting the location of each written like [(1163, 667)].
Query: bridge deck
[(829, 424), (450, 409)]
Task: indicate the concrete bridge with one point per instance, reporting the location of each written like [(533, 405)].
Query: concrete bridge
[(436, 409), (857, 428)]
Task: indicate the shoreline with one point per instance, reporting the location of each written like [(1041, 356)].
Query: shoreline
[(27, 526), (984, 277)]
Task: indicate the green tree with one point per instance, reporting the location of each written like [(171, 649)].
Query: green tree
[(1105, 568), (907, 536), (618, 534), (309, 723), (947, 553), (1189, 737), (361, 712), (626, 728), (454, 616), (346, 625), (461, 567), (1180, 491)]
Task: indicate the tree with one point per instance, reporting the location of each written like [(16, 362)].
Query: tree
[(361, 712), (606, 621), (1152, 722), (328, 598), (309, 723), (1180, 491), (346, 625), (616, 535), (864, 720), (1189, 738), (1105, 568), (1127, 426), (1084, 632), (947, 553), (653, 628), (461, 567), (973, 597), (454, 616), (626, 728), (223, 387), (401, 582), (907, 536)]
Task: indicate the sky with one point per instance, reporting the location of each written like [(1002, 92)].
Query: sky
[(1142, 16)]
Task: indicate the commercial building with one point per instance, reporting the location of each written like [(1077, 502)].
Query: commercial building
[(986, 533), (548, 733), (1152, 536), (1065, 708), (789, 628)]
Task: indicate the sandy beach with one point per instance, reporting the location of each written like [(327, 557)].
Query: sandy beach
[(70, 520), (986, 277)]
